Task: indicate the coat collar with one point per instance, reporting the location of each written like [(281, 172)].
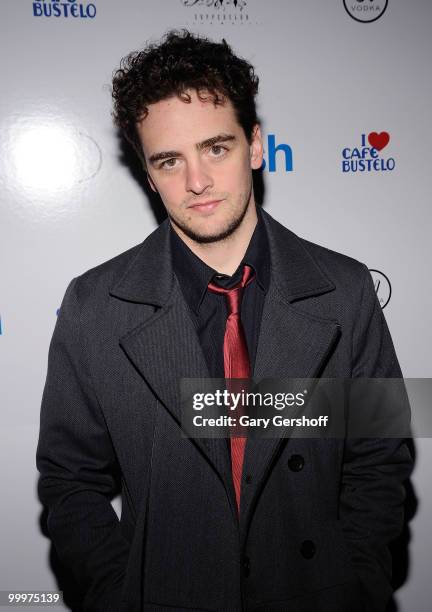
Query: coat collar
[(149, 278), (294, 271)]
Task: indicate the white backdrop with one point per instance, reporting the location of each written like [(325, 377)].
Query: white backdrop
[(69, 202)]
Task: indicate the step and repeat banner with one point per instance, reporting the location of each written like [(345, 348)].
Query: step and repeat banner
[(345, 103)]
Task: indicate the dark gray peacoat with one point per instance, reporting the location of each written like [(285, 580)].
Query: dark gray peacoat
[(316, 515)]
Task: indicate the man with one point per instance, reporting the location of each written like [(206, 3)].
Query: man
[(219, 289)]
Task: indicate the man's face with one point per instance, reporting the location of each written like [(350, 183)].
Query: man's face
[(199, 161)]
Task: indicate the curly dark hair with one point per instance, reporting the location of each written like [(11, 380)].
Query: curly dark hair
[(182, 61)]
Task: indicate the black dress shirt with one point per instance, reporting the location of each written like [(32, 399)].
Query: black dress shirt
[(208, 310)]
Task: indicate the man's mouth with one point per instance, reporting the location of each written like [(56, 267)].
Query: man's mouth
[(206, 206)]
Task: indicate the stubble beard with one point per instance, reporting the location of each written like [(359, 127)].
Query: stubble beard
[(223, 234)]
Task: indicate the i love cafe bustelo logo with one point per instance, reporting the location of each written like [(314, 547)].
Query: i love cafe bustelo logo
[(368, 156)]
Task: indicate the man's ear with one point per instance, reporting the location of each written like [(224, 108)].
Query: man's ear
[(151, 183), (256, 148)]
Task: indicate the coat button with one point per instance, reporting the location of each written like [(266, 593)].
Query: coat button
[(248, 479), (296, 463), (246, 566), (307, 549)]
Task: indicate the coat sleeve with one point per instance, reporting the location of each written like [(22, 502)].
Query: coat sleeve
[(77, 465), (374, 469)]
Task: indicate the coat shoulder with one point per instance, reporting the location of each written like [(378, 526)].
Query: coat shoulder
[(104, 275), (310, 258), (99, 280), (337, 266)]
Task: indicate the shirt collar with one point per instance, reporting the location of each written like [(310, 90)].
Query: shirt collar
[(194, 275)]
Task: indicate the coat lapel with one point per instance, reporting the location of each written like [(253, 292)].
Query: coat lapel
[(164, 347), (292, 344)]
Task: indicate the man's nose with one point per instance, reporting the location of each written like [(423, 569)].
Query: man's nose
[(198, 178)]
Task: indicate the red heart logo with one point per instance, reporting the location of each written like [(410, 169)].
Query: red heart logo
[(379, 141)]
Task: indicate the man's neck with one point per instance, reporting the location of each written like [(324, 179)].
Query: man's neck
[(225, 255)]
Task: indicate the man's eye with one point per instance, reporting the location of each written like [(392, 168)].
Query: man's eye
[(168, 163), (218, 150)]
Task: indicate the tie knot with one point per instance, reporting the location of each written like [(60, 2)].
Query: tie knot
[(234, 294)]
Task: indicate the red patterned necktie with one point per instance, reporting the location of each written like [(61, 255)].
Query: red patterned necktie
[(236, 360)]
